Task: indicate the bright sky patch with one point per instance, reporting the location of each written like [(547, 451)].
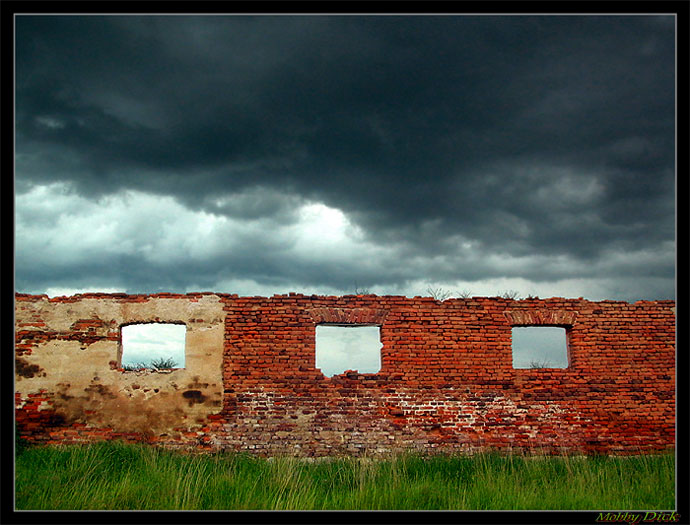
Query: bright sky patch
[(144, 343), (539, 347), (341, 348)]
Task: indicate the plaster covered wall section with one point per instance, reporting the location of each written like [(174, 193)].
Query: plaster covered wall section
[(68, 356), (446, 381)]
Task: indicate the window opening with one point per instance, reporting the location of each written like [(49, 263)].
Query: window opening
[(540, 347), (348, 347), (153, 345)]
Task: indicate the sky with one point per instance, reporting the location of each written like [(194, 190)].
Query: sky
[(342, 348), (539, 347), (143, 344), (263, 155)]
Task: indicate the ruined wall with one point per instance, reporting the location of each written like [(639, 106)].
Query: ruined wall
[(447, 382), (67, 381)]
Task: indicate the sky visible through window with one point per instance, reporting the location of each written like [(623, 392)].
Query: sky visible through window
[(341, 348), (539, 347), (144, 343)]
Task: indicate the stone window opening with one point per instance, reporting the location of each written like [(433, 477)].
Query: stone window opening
[(343, 347), (539, 347), (158, 346)]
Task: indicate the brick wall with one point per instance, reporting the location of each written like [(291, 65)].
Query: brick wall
[(446, 383)]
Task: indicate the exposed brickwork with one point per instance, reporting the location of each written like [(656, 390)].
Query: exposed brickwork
[(446, 381)]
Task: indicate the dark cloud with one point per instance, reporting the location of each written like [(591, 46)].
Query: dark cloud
[(529, 136)]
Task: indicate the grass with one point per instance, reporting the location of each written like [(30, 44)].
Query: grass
[(156, 364), (117, 476)]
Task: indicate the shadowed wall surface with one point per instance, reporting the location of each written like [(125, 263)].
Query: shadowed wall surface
[(446, 383)]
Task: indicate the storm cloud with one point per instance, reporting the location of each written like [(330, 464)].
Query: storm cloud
[(319, 154)]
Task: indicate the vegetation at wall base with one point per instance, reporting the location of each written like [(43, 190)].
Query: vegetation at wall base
[(117, 476)]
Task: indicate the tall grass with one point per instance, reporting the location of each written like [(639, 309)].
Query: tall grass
[(120, 476)]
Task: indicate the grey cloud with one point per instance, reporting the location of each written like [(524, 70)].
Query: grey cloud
[(545, 136)]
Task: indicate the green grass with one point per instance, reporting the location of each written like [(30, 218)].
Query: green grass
[(119, 476), (156, 364)]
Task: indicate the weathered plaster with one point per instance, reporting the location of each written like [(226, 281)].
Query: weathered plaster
[(93, 390)]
